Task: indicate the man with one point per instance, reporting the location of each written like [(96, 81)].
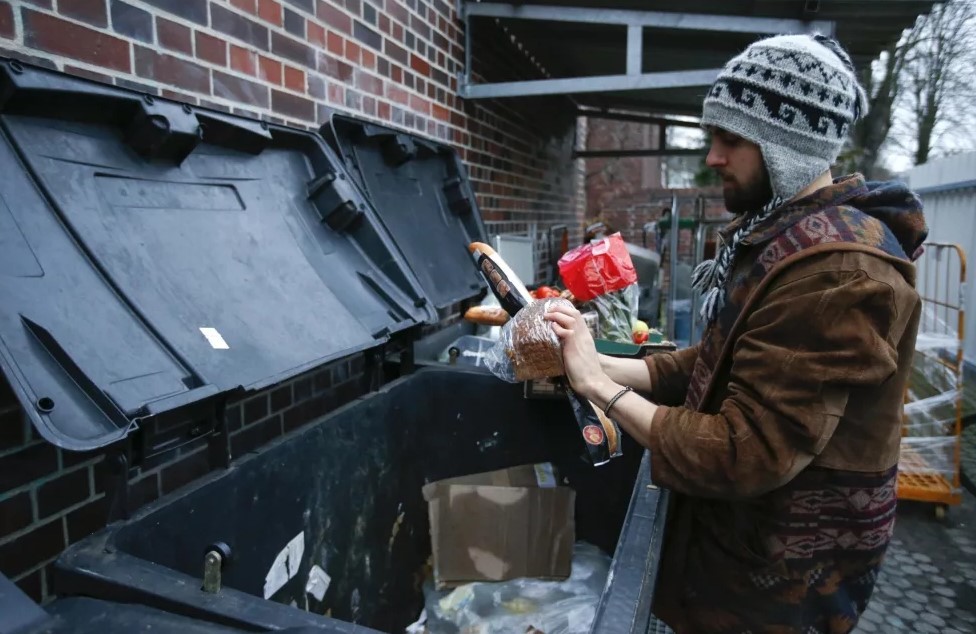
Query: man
[(778, 434)]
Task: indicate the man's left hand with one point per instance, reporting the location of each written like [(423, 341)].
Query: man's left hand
[(580, 358)]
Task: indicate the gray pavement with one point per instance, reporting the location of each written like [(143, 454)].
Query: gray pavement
[(928, 581), (969, 457)]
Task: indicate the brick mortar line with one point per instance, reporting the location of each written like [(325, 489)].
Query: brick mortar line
[(394, 20), (60, 516), (525, 157), (15, 449), (104, 30), (60, 60), (18, 26), (328, 29), (45, 479), (210, 30), (154, 83), (488, 180), (304, 40), (40, 567), (524, 191), (551, 212)]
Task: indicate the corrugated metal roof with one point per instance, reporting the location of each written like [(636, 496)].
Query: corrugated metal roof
[(572, 49)]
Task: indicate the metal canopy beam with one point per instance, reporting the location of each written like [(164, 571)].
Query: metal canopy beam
[(640, 153), (635, 22), (657, 19), (603, 83), (635, 49), (636, 118)]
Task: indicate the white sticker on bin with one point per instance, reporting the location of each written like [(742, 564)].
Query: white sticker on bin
[(545, 476), (285, 565), (318, 583), (215, 339)]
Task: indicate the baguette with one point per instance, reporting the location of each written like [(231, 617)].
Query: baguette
[(609, 428), (502, 280), (487, 315)]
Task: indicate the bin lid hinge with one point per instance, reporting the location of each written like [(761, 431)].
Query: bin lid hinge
[(116, 482)]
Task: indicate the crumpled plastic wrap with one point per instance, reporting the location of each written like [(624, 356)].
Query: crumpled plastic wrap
[(616, 313), (523, 605), (527, 347), (471, 350), (928, 446)]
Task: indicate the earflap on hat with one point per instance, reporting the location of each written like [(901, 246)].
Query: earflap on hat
[(790, 171)]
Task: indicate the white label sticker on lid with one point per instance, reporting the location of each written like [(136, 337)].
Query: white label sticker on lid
[(545, 476), (215, 339)]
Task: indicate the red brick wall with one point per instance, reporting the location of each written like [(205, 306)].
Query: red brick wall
[(608, 179), (290, 61), (51, 498), (394, 61)]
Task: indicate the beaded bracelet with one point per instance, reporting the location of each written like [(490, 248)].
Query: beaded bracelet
[(614, 400)]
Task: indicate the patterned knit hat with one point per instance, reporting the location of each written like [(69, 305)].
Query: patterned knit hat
[(796, 97)]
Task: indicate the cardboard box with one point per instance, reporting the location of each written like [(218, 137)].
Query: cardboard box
[(501, 525)]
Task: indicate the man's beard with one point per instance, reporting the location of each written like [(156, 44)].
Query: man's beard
[(750, 196)]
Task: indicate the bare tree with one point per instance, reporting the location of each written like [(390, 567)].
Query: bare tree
[(937, 112), (921, 93), (883, 84)]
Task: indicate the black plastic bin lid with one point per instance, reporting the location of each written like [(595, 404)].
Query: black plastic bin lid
[(423, 196), (153, 255)]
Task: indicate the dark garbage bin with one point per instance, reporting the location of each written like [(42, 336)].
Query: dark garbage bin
[(349, 488), (82, 615), (161, 260)]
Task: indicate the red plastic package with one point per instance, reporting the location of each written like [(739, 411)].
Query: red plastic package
[(597, 268)]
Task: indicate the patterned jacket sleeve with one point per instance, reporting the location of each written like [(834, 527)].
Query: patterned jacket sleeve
[(808, 344), (670, 374)]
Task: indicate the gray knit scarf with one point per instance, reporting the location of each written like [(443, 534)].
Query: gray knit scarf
[(711, 276)]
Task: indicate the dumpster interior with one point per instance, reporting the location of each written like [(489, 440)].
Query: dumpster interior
[(351, 485)]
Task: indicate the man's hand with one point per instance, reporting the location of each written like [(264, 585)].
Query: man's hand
[(580, 357), (587, 377)]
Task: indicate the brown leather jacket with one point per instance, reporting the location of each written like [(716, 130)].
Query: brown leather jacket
[(815, 379), (782, 465)]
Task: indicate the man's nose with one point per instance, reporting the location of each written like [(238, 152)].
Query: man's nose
[(716, 157)]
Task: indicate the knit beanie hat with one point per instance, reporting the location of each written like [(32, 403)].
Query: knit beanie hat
[(796, 97)]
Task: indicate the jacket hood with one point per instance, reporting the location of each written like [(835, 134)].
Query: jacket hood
[(899, 208)]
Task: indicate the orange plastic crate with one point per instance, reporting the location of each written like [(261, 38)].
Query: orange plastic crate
[(917, 481)]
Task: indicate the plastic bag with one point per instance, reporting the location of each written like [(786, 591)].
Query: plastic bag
[(528, 348), (597, 268), (929, 442), (553, 607), (603, 275), (469, 350)]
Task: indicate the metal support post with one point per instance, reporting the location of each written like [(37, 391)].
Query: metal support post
[(673, 264), (635, 49)]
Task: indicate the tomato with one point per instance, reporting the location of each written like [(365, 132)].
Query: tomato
[(640, 337), (545, 292)]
